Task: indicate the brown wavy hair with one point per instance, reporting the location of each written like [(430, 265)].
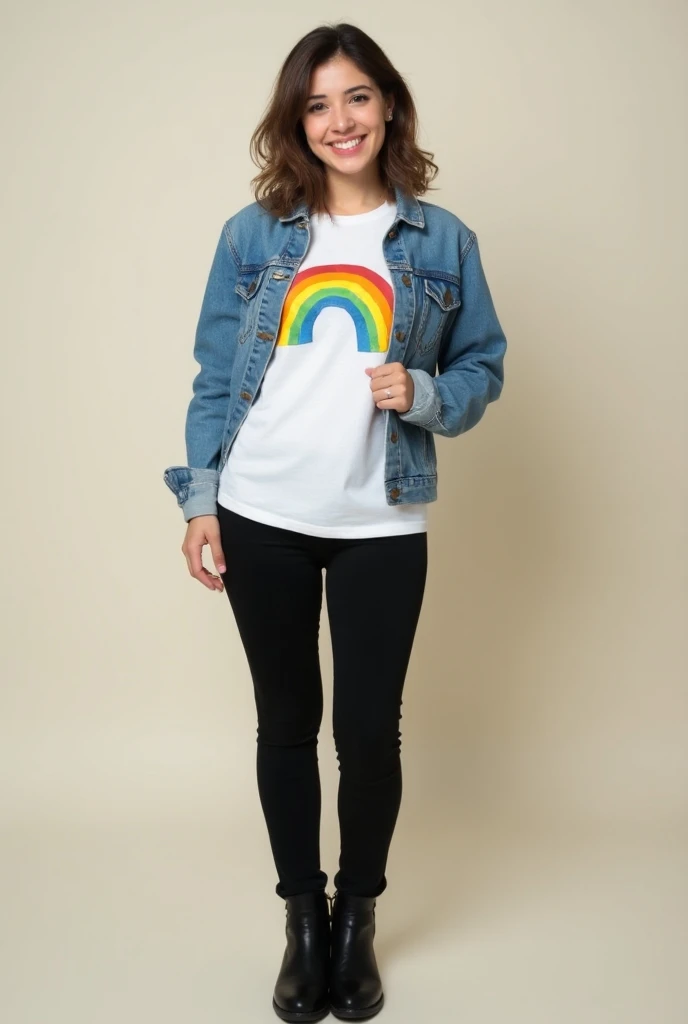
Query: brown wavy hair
[(290, 171)]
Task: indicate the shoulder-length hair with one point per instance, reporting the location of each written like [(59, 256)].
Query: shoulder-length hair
[(290, 171)]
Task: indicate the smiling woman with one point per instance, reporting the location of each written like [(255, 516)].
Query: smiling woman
[(330, 304), (364, 96), (340, 130)]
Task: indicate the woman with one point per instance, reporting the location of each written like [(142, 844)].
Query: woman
[(331, 301)]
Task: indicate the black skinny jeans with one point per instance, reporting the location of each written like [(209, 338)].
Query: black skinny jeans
[(374, 588)]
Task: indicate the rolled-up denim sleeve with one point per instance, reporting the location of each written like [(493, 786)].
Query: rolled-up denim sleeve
[(470, 359), (196, 484)]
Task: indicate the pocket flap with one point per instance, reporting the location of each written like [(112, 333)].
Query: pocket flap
[(248, 284), (445, 293)]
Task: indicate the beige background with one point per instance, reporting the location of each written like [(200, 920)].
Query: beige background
[(538, 870)]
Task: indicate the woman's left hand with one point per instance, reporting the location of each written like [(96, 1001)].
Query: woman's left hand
[(399, 381)]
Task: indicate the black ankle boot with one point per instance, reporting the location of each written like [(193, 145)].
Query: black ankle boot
[(301, 990), (355, 985)]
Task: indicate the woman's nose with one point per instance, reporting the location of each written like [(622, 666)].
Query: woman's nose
[(342, 119)]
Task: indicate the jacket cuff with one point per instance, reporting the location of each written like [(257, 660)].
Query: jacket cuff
[(195, 490), (426, 399)]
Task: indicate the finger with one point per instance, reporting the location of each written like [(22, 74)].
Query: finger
[(384, 371), (382, 392), (391, 403), (387, 380), (193, 553), (212, 534), (216, 553), (210, 581)]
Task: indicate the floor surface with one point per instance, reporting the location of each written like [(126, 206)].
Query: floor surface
[(179, 924)]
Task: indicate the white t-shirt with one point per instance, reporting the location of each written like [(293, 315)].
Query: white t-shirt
[(310, 455)]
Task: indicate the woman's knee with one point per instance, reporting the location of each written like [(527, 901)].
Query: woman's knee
[(289, 732), (371, 754)]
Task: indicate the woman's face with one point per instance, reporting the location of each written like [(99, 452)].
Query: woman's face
[(345, 104)]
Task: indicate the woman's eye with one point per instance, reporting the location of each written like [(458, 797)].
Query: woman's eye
[(358, 96)]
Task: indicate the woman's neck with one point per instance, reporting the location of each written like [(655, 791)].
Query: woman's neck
[(346, 201)]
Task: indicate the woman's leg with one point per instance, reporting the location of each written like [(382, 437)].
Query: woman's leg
[(274, 585), (375, 591)]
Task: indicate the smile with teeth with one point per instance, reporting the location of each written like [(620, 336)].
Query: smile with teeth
[(352, 144)]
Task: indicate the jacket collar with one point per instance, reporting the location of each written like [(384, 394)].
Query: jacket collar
[(408, 209)]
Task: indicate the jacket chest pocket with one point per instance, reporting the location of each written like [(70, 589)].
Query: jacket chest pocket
[(249, 286), (439, 300)]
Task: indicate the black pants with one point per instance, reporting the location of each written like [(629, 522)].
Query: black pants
[(374, 588)]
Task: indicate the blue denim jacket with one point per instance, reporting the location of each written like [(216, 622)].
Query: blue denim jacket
[(444, 320)]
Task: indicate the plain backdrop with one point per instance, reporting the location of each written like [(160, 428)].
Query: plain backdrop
[(538, 868)]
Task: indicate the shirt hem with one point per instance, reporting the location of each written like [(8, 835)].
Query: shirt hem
[(312, 530)]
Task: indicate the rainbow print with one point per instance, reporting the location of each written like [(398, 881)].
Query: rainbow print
[(366, 296)]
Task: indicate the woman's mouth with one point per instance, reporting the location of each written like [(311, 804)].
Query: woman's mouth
[(347, 148)]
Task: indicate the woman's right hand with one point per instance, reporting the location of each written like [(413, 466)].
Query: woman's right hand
[(203, 530)]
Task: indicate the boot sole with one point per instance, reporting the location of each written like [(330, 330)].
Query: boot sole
[(367, 1011), (296, 1015)]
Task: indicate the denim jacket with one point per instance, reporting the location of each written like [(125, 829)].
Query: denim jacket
[(444, 320)]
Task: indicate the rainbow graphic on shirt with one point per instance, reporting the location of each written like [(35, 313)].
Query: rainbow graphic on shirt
[(366, 296)]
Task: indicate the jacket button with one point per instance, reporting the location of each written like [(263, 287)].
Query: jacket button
[(301, 224), (400, 335), (246, 395), (394, 438), (448, 296), (251, 288), (265, 336), (406, 279), (394, 493), (392, 234)]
